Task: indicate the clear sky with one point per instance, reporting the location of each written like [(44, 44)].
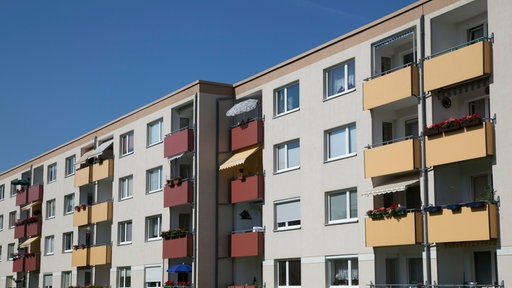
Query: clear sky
[(70, 66)]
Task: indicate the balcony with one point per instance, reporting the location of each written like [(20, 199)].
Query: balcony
[(463, 224), (392, 158), (32, 262), (247, 134), (247, 189), (18, 264), (21, 197), (178, 194), (177, 247), (34, 228), (100, 212), (102, 170), (390, 87), (464, 64), (463, 144), (394, 231), (179, 142), (246, 244), (35, 193), (80, 257), (82, 215), (19, 230), (100, 255), (83, 176)]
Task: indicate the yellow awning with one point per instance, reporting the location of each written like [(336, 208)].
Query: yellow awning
[(239, 158), (28, 242), (27, 207)]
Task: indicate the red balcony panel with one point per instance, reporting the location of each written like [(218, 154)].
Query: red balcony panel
[(17, 265), (179, 142), (19, 231), (34, 228), (246, 135), (246, 244), (247, 189), (21, 197), (177, 247), (35, 193), (178, 194), (32, 263)]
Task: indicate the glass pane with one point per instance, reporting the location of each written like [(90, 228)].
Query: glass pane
[(280, 102), (293, 154), (353, 204), (294, 272), (338, 206), (281, 158), (351, 75), (336, 143), (336, 80), (354, 271), (129, 231), (293, 97), (281, 267), (353, 138)]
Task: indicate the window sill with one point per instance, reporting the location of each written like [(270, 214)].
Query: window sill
[(67, 251), (69, 213), (49, 218), (286, 170), (126, 243), (51, 181), (346, 221), (154, 144), (286, 113), (154, 191), (340, 158), (126, 198), (127, 154), (153, 239), (49, 254), (339, 94), (69, 175), (287, 228)]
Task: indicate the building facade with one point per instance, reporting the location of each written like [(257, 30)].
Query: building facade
[(378, 158)]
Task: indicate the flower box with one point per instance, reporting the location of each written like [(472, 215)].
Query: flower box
[(431, 131), (472, 120)]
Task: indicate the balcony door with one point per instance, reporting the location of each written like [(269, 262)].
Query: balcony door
[(483, 267)]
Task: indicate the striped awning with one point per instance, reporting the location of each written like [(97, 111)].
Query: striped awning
[(28, 242), (239, 158), (393, 38), (392, 187)]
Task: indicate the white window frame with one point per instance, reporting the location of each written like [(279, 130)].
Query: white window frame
[(123, 232), (147, 281), (287, 267), (149, 175), (150, 127), (126, 187), (66, 279), (10, 251), (124, 273), (349, 150), (153, 235), (124, 143), (47, 278), (50, 209), (349, 194), (2, 192), (67, 242), (286, 156), (49, 245), (285, 89), (70, 165), (350, 259), (69, 203), (345, 67), (286, 225), (12, 219), (52, 172)]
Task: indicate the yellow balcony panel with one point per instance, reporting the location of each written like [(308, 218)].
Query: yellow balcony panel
[(101, 212), (394, 231), (82, 215), (101, 255), (102, 170), (392, 158), (391, 87), (459, 145), (83, 176), (458, 66), (80, 257), (464, 224)]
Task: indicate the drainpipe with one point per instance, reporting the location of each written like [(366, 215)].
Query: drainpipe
[(424, 170), (194, 207)]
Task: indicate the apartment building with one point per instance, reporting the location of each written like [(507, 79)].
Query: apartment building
[(378, 158)]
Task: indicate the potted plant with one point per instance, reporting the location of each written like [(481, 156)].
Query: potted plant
[(432, 130), (376, 213), (178, 233), (169, 283), (471, 120), (450, 125), (166, 234)]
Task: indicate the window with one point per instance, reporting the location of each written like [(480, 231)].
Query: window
[(70, 165), (411, 127), (153, 227), (481, 188), (69, 203), (9, 282), (341, 142), (153, 276), (342, 206), (125, 232), (48, 245), (126, 187), (47, 281), (155, 132), (480, 107), (13, 190), (67, 242), (288, 273), (287, 215), (12, 219), (343, 272), (0, 253), (50, 209), (124, 275), (340, 79), (476, 32), (127, 143), (1, 223), (287, 156), (66, 279), (10, 251), (2, 192), (52, 172), (287, 99), (154, 179)]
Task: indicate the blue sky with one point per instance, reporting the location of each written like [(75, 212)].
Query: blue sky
[(69, 66)]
